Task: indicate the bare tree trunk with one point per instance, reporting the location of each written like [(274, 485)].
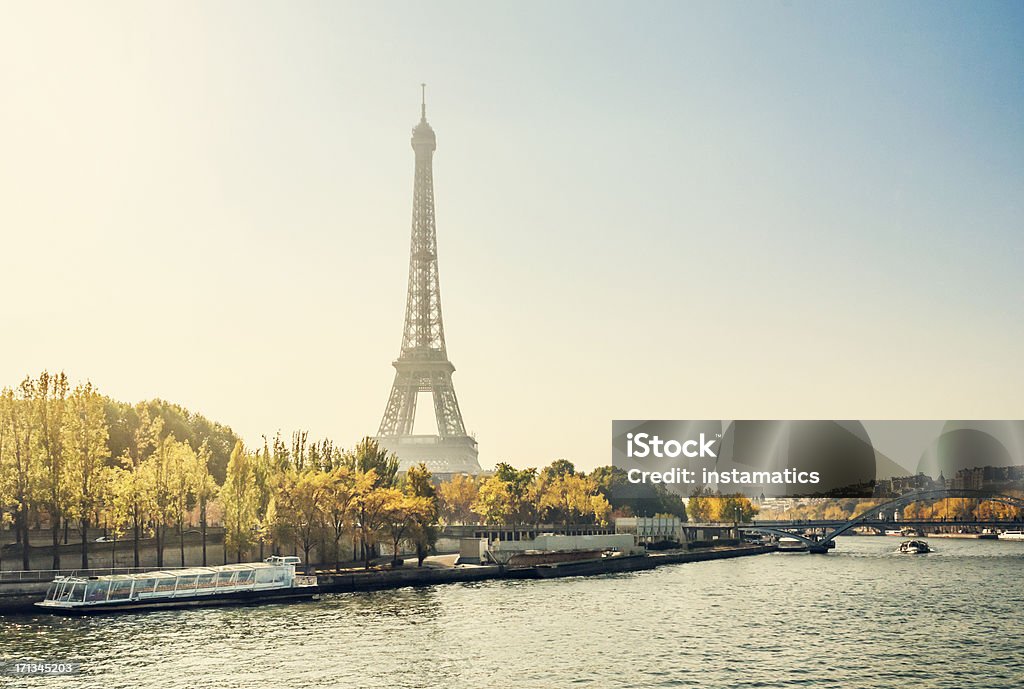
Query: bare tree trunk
[(55, 532), (24, 539), (85, 542), (181, 541), (202, 519), (135, 534)]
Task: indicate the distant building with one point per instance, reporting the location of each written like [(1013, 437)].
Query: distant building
[(651, 529)]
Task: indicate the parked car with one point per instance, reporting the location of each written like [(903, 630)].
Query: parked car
[(287, 560)]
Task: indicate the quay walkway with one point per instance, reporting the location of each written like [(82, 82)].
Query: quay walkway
[(19, 596)]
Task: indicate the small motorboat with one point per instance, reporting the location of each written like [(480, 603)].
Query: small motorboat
[(914, 547)]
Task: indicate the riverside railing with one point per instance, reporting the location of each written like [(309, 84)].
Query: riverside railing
[(39, 575)]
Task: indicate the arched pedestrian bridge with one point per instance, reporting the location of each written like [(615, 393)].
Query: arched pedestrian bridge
[(820, 544)]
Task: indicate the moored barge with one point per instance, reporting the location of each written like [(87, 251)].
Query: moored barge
[(240, 584)]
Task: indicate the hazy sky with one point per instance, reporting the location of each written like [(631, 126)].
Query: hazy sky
[(645, 210)]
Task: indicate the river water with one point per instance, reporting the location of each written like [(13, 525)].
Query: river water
[(861, 616)]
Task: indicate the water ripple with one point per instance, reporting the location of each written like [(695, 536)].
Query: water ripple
[(858, 618)]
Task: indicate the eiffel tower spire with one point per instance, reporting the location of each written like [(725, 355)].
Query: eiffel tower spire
[(422, 364)]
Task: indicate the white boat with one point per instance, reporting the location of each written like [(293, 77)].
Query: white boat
[(244, 583), (894, 532), (1012, 536), (914, 547), (788, 543)]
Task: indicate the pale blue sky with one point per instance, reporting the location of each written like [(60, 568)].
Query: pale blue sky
[(645, 210)]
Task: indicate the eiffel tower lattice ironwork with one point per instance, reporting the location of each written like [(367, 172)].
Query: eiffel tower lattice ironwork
[(423, 365)]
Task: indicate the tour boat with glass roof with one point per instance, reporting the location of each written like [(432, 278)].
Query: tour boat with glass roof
[(244, 583)]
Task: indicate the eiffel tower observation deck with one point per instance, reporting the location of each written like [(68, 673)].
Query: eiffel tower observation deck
[(423, 365)]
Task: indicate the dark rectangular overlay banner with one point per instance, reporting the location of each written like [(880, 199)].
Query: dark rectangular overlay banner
[(828, 459)]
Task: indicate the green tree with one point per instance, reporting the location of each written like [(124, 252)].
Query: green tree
[(401, 516), (699, 507), (575, 497), (269, 524), (340, 494), (115, 505), (303, 504), (204, 488), (422, 511), (494, 501), (128, 505), (734, 507), (369, 456), (456, 497), (240, 497), (22, 470), (86, 451), (266, 485), (144, 437), (370, 503), (182, 480), (518, 487), (49, 404), (537, 500), (124, 421), (157, 476), (631, 499), (559, 468)]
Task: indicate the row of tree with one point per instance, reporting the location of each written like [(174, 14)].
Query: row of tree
[(58, 464), (70, 457), (315, 495), (707, 506), (73, 458), (557, 493), (948, 509), (53, 449)]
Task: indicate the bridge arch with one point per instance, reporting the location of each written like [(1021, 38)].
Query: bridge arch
[(895, 503), (909, 498)]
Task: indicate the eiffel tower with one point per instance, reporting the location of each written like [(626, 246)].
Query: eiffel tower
[(422, 365)]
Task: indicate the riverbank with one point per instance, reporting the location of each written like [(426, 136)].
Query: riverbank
[(108, 553), (376, 580), (20, 597)]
